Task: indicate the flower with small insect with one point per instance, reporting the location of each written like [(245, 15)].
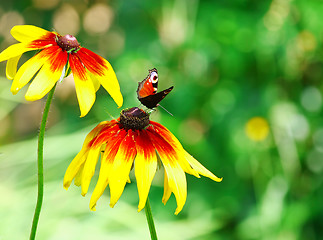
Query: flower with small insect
[(133, 140)]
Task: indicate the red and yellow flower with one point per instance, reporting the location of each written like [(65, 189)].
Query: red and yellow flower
[(48, 66), (131, 140)]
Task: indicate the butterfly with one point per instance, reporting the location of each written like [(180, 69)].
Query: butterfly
[(147, 90)]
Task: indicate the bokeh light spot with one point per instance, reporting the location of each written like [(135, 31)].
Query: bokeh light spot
[(314, 161), (318, 140), (306, 41), (98, 18), (66, 20), (195, 64), (222, 101), (282, 113), (192, 131), (299, 127), (276, 16), (45, 4), (112, 43), (7, 21), (311, 99), (257, 129), (174, 26)]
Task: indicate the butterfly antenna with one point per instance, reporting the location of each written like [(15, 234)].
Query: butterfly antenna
[(165, 110), (110, 115)]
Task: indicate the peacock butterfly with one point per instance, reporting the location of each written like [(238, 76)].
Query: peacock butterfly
[(147, 90)]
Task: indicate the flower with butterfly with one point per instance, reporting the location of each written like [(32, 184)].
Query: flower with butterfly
[(56, 54), (133, 140)]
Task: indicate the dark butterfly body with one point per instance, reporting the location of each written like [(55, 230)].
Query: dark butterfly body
[(147, 90)]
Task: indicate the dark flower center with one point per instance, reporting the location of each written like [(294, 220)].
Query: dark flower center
[(134, 118), (68, 43)]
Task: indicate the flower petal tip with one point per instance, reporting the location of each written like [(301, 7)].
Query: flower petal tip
[(112, 205), (66, 183), (77, 184), (14, 91), (31, 98), (179, 209), (85, 111), (119, 101), (141, 206), (83, 194), (217, 179), (119, 104), (10, 77), (92, 208)]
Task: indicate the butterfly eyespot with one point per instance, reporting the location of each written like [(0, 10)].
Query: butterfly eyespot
[(154, 77)]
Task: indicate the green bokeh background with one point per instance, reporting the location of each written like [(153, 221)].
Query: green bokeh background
[(229, 61)]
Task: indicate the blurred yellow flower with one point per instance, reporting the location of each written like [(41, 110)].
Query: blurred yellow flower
[(89, 69), (257, 129), (131, 140)]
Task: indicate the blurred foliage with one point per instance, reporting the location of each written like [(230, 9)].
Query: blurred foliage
[(229, 61)]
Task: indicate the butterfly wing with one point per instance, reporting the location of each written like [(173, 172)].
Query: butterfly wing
[(149, 85), (147, 90), (152, 101)]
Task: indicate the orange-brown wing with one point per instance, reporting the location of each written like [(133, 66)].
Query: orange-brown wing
[(149, 85)]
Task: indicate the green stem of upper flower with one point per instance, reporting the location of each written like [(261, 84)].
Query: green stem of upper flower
[(40, 164), (150, 220)]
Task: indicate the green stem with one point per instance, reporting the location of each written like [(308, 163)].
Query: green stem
[(150, 220), (40, 164)]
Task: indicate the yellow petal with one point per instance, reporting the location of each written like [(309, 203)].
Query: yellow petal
[(95, 131), (110, 82), (89, 168), (42, 83), (77, 164), (167, 191), (175, 174), (27, 33), (177, 184), (48, 75), (78, 176), (101, 184), (200, 168), (74, 168), (26, 72), (121, 166), (103, 71), (128, 180), (145, 167), (106, 164), (144, 172), (85, 93), (11, 68), (85, 90), (14, 51), (178, 153), (95, 81)]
